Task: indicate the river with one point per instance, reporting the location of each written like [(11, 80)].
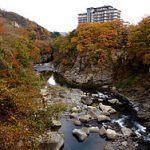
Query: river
[(125, 117)]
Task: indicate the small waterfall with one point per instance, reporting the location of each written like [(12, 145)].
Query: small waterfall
[(101, 95), (51, 80), (139, 129), (120, 121)]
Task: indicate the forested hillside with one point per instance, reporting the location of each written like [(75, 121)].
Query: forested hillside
[(120, 49), (23, 115)]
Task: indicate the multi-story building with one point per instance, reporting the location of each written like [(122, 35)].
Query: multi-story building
[(99, 14)]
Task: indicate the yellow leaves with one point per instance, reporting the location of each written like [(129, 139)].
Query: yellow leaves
[(146, 59), (11, 135), (92, 37), (80, 48), (139, 42), (74, 40), (2, 23)]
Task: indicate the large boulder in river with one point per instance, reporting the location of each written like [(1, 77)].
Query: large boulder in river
[(80, 134), (74, 115), (103, 118), (111, 134), (86, 100), (102, 131), (104, 113), (86, 130), (51, 140), (126, 131), (94, 130), (106, 108), (93, 114), (85, 118), (91, 108), (76, 109), (77, 122), (56, 123)]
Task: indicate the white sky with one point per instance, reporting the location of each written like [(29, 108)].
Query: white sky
[(61, 15)]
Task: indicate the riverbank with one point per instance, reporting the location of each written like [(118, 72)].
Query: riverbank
[(74, 96), (138, 94)]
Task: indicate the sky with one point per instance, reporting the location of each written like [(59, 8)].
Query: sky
[(61, 15)]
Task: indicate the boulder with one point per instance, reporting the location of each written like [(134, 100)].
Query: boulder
[(77, 122), (85, 118), (105, 113), (105, 86), (76, 110), (126, 131), (111, 134), (103, 118), (91, 108), (86, 130), (106, 108), (80, 134), (124, 143), (74, 115), (86, 100), (94, 130), (56, 123), (114, 101), (113, 88), (44, 92), (102, 131), (93, 114), (51, 139)]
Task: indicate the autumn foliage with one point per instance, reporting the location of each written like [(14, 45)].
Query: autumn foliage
[(110, 43), (93, 43), (21, 114), (139, 44)]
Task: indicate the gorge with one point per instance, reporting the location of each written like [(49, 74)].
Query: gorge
[(89, 89), (124, 118)]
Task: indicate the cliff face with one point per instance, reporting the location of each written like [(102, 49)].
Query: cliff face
[(89, 53), (80, 73)]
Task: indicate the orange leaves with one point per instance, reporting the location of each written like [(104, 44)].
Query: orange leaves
[(80, 48), (10, 136), (65, 62), (97, 39), (139, 42), (42, 46), (74, 40), (2, 23), (34, 54), (93, 41), (146, 59), (15, 62), (20, 97)]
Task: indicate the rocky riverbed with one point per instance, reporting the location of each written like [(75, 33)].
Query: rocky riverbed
[(105, 116)]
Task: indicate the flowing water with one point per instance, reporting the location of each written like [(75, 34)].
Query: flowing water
[(124, 118)]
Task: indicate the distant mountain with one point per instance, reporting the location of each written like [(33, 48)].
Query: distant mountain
[(63, 33)]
